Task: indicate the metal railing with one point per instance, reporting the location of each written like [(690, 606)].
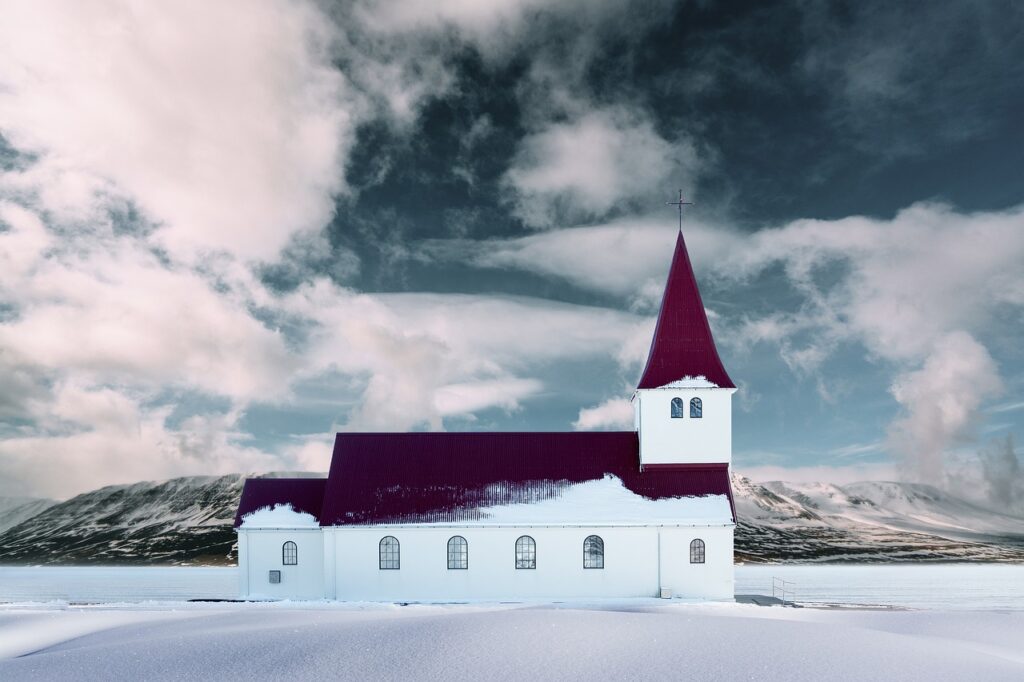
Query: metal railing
[(784, 590)]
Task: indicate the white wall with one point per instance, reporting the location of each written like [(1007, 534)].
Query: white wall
[(634, 556), (664, 440), (711, 580), (259, 552)]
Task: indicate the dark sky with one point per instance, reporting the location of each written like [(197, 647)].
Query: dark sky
[(222, 244)]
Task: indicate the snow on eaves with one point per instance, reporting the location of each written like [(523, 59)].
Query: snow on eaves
[(279, 516), (691, 382)]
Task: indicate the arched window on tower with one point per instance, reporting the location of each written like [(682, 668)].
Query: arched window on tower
[(390, 554), (290, 554), (526, 552), (696, 408), (697, 551), (677, 408), (593, 552), (458, 553)]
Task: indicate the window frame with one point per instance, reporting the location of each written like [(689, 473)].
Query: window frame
[(393, 554), (589, 556), (460, 555), (526, 555), (289, 550), (676, 409), (698, 551), (696, 408)]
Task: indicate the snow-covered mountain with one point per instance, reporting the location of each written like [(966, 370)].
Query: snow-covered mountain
[(14, 510), (189, 521), (871, 521), (184, 520)]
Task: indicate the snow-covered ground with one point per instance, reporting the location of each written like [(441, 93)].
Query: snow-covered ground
[(630, 639)]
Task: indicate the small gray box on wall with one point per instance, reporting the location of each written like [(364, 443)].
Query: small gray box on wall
[(275, 577)]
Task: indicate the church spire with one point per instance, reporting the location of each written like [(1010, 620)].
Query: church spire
[(682, 345)]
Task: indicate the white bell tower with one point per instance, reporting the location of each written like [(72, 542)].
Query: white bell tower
[(683, 403)]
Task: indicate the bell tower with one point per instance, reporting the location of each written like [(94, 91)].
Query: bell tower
[(683, 403)]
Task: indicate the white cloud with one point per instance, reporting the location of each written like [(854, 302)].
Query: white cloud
[(100, 436), (612, 415), (942, 401), (225, 122), (582, 169)]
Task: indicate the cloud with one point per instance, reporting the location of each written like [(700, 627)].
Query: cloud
[(99, 436), (426, 357), (226, 123), (839, 475), (627, 257), (611, 415), (580, 170), (941, 402), (1003, 475)]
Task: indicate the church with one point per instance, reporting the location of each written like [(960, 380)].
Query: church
[(529, 515)]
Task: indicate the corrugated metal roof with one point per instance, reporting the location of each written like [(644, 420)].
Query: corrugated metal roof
[(303, 494), (448, 477), (682, 345)]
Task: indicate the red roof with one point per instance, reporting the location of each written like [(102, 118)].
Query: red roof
[(682, 345), (448, 477), (303, 494)]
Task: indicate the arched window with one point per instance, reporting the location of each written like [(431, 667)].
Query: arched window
[(526, 552), (593, 552), (696, 408), (290, 554), (677, 408), (390, 554), (458, 553), (697, 552)]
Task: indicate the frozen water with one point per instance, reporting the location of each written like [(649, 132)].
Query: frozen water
[(941, 586), (951, 586)]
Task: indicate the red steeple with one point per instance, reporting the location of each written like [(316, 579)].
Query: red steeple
[(682, 344)]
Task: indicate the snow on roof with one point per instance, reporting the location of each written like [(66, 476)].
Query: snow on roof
[(388, 478), (608, 501), (691, 382), (682, 344), (304, 495), (279, 516)]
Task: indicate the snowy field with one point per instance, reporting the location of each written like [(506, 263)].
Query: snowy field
[(967, 622)]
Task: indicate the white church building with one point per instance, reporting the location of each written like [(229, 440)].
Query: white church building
[(498, 516)]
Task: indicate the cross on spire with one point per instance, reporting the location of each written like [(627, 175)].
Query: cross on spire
[(680, 204)]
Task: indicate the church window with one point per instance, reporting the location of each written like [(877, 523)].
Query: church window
[(526, 552), (696, 408), (458, 553), (390, 558), (677, 408), (593, 552), (289, 554), (697, 552)]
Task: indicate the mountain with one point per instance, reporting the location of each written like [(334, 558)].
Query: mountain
[(181, 521), (189, 521), (14, 510), (868, 522)]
